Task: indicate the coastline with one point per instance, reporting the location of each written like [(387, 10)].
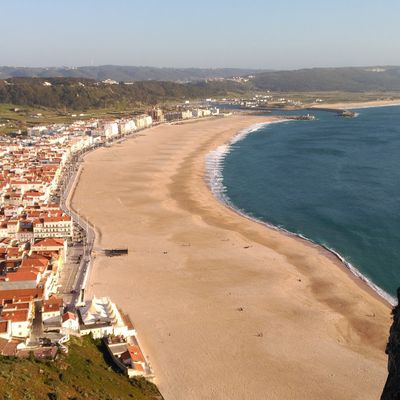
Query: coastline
[(330, 307), (214, 178)]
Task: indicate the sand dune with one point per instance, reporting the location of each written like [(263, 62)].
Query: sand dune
[(225, 307)]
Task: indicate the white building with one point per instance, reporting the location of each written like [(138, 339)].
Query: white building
[(52, 308), (187, 114), (126, 127), (53, 227), (20, 316), (52, 244), (110, 130), (143, 121), (36, 130), (80, 143), (101, 317), (69, 323)]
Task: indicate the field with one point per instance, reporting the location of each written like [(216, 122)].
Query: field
[(15, 117)]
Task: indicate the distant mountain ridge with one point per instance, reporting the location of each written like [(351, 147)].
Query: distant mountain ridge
[(125, 73), (350, 79)]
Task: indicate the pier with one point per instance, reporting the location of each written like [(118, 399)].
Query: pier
[(340, 112), (115, 252)]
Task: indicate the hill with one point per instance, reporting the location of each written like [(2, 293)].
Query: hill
[(351, 79), (330, 79), (125, 73), (82, 94), (82, 374)]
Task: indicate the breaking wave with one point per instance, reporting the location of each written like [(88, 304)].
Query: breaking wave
[(214, 161)]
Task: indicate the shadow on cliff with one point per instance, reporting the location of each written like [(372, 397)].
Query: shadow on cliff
[(391, 391)]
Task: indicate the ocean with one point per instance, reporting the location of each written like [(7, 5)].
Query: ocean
[(335, 181)]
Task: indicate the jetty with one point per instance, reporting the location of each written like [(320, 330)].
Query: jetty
[(307, 117), (340, 112), (256, 108)]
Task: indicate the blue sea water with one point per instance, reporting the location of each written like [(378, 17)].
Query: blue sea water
[(334, 180)]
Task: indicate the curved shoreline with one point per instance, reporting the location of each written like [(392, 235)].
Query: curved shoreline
[(189, 270), (214, 178)]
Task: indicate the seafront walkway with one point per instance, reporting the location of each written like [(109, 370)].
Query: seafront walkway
[(76, 289)]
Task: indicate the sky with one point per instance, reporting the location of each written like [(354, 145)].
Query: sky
[(264, 34)]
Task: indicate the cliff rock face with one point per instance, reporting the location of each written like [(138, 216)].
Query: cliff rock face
[(391, 390)]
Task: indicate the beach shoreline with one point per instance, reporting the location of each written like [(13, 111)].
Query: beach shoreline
[(95, 196), (213, 175)]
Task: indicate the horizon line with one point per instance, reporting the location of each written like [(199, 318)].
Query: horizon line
[(200, 68)]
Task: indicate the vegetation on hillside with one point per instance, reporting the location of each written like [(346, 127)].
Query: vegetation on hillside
[(82, 374), (82, 94), (355, 79), (126, 73)]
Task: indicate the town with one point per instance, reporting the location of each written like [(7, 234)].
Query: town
[(46, 247)]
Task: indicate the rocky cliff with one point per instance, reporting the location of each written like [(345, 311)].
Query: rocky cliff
[(391, 390)]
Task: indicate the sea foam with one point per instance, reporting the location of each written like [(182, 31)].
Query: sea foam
[(214, 161)]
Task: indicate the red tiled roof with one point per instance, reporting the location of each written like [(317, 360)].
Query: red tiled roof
[(52, 304), (3, 326), (35, 261), (68, 315), (22, 299), (16, 306), (16, 293), (138, 366), (22, 275), (135, 353), (127, 320), (15, 316), (50, 242)]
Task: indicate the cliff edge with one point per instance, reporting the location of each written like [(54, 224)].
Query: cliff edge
[(391, 391)]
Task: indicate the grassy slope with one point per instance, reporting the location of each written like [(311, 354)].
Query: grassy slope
[(25, 117), (83, 374)]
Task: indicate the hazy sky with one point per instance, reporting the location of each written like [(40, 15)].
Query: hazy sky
[(279, 34)]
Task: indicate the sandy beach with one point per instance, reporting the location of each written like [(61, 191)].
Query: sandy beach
[(225, 308)]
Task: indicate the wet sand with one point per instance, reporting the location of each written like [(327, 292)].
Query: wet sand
[(225, 308)]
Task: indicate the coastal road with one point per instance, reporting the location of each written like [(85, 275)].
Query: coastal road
[(70, 271), (75, 280)]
